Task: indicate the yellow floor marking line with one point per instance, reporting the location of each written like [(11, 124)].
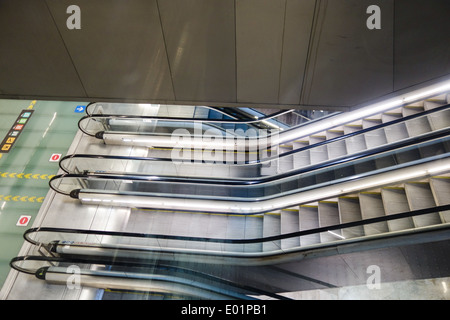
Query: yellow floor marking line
[(22, 175), (32, 104), (20, 198)]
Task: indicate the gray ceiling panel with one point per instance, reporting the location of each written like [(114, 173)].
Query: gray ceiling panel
[(263, 53), (348, 63), (422, 41), (259, 37), (297, 33), (33, 59), (119, 51), (200, 40)]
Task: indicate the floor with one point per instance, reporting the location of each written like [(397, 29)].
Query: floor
[(26, 168)]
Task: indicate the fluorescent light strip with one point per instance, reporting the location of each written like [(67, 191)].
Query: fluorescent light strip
[(336, 235)]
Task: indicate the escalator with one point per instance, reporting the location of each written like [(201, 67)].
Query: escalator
[(192, 134), (355, 144), (380, 180), (410, 157), (394, 162)]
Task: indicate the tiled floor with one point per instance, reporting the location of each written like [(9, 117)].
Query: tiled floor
[(26, 169)]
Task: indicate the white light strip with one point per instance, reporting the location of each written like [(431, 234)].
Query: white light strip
[(49, 125), (336, 235), (427, 92)]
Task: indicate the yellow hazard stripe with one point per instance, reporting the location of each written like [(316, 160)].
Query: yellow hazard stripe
[(19, 198), (22, 175), (32, 104)]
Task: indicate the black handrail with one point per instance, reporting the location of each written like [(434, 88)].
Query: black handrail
[(99, 134), (354, 133), (205, 120)]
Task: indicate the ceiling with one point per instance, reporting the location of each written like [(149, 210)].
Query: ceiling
[(265, 53)]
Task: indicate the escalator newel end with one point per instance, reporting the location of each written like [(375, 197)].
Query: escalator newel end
[(75, 193), (41, 272), (99, 135)]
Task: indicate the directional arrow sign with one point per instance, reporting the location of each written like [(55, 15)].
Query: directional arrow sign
[(80, 109)]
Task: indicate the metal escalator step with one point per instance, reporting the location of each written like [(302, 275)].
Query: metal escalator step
[(434, 103), (439, 120), (355, 144), (395, 201), (254, 226), (329, 215), (405, 156), (396, 111), (420, 197), (290, 223), (375, 138), (372, 207), (412, 109), (440, 187), (318, 154), (309, 219), (301, 158), (370, 122), (418, 126), (336, 149), (335, 132), (271, 227), (396, 132), (235, 230), (350, 211)]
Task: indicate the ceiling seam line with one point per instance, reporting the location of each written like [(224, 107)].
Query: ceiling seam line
[(308, 54), (165, 48), (393, 46), (67, 50), (235, 53), (282, 51)]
